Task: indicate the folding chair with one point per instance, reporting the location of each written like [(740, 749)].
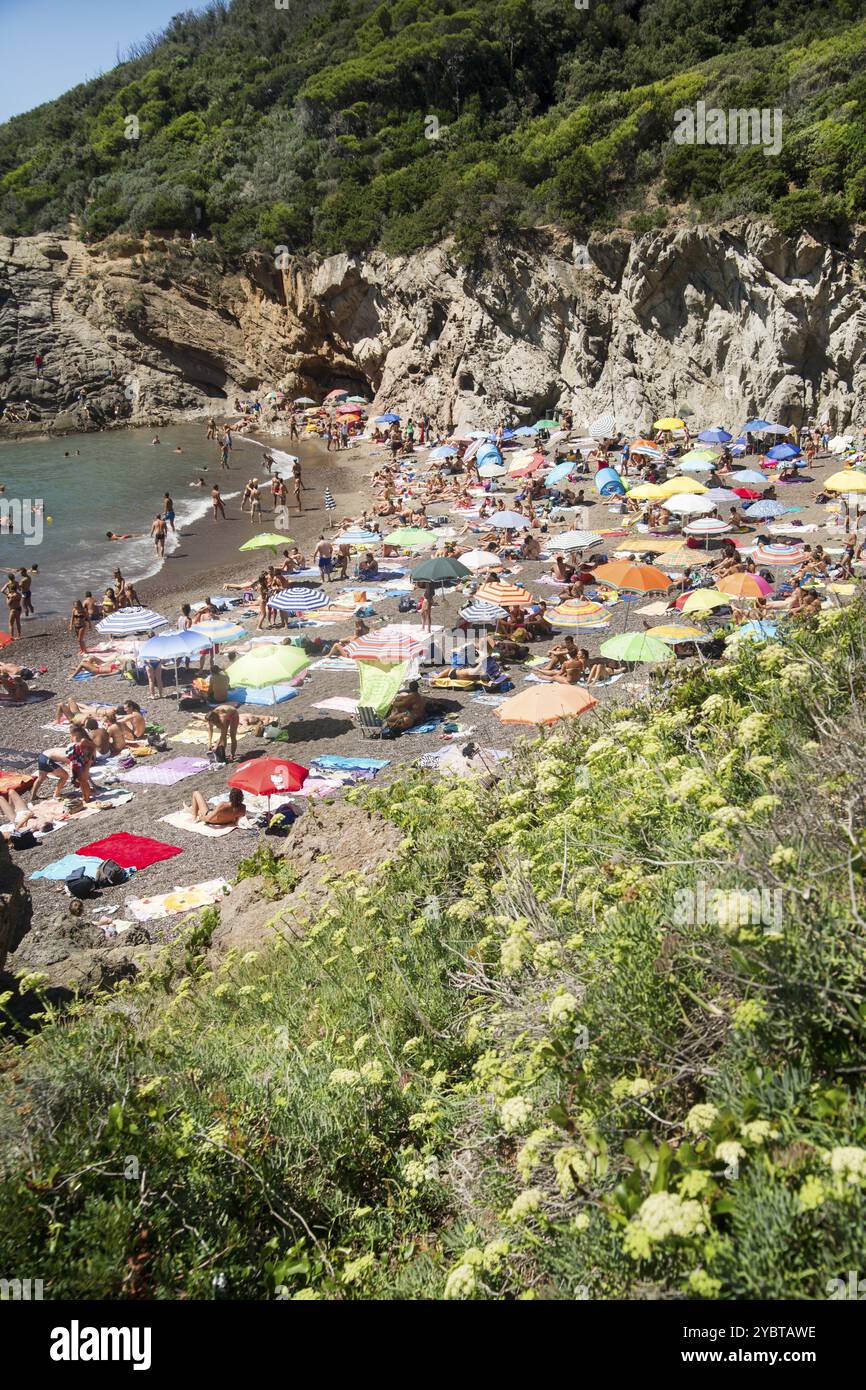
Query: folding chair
[(369, 722)]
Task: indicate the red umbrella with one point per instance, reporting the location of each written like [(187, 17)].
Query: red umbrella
[(5, 639), (269, 776), (747, 493)]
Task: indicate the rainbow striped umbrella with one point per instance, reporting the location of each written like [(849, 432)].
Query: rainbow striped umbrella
[(499, 591), (707, 526), (395, 642), (778, 553), (577, 613)]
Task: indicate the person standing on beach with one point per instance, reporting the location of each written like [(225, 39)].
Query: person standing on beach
[(225, 448), (78, 623), (24, 584), (168, 510), (13, 603), (216, 499), (158, 531), (427, 606), (211, 429), (255, 504), (324, 558)]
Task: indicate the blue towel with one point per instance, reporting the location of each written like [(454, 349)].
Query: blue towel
[(62, 868), (335, 760)]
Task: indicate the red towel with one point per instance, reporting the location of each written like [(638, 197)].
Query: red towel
[(131, 851)]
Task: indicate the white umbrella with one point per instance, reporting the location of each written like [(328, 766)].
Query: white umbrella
[(126, 622), (687, 502), (481, 560), (573, 540), (722, 496)]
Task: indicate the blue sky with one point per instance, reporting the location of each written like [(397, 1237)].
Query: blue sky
[(52, 45)]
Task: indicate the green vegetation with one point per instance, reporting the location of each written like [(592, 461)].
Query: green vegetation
[(315, 126), (558, 1043)]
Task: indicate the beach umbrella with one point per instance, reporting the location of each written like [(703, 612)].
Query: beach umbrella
[(642, 579), (480, 614), (647, 492), (602, 427), (757, 427), (697, 456), (642, 448), (669, 422), (608, 482), (440, 570), (779, 553), (349, 410), (491, 470), (357, 537), (221, 631), (299, 599), (722, 496), (707, 526), (636, 646), (128, 621), (269, 777), (445, 451), (304, 400), (715, 436), (765, 511), (336, 395), (673, 633), (756, 630), (389, 419), (410, 537), (558, 473), (267, 666), (744, 586), (695, 465), (268, 540), (498, 591), (358, 400), (687, 502), (672, 487), (524, 463), (545, 704), (481, 560), (547, 424), (750, 477), (573, 540), (748, 494), (509, 521), (577, 613), (174, 646), (701, 601), (526, 430), (782, 452), (847, 481), (393, 643), (777, 429)]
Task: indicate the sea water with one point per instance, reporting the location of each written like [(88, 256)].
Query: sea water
[(115, 482)]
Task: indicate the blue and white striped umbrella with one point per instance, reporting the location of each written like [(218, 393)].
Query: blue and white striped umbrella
[(355, 536), (481, 614), (299, 600), (126, 622)]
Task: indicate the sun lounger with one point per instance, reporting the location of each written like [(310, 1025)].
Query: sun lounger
[(369, 722)]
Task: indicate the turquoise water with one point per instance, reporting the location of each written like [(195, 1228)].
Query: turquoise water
[(117, 483)]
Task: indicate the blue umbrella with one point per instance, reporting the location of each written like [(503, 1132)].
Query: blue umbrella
[(608, 482), (757, 630), (387, 419), (509, 521), (174, 646), (445, 451), (762, 510), (747, 476), (715, 437), (782, 452), (557, 474), (756, 426)]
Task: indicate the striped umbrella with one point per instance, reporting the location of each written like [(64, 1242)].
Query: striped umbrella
[(128, 621), (221, 631), (778, 553), (299, 599), (395, 642), (356, 536), (721, 496), (330, 504), (602, 427), (574, 540), (579, 613), (480, 614), (499, 591), (707, 526)]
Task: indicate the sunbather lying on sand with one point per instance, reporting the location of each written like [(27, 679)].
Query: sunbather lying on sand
[(15, 812), (95, 666), (227, 813)]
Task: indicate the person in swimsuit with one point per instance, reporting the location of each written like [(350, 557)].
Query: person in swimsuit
[(168, 510), (158, 531), (227, 813), (79, 623), (216, 499)]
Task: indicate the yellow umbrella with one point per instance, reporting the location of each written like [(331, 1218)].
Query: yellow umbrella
[(680, 484), (704, 600), (669, 422), (545, 704), (646, 492), (672, 632), (847, 481), (267, 665)]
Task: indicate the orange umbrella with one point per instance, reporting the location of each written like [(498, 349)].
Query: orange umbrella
[(5, 639), (644, 444), (643, 579), (497, 591), (545, 704), (744, 586)]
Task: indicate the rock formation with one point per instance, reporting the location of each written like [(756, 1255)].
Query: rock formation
[(725, 320)]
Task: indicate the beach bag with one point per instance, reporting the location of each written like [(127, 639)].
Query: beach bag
[(281, 822), (109, 874), (407, 605), (23, 839), (80, 884)]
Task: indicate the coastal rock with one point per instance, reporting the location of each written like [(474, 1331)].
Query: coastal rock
[(725, 320), (15, 907)]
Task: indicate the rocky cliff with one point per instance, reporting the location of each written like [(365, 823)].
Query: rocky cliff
[(725, 320), (14, 905)]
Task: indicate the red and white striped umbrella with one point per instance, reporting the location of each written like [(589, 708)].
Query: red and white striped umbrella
[(777, 553), (498, 591), (396, 642), (707, 526)]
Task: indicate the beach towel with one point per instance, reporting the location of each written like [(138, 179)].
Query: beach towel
[(15, 782), (184, 820), (338, 702), (34, 697), (179, 900), (62, 868), (166, 774), (491, 700), (131, 851), (333, 663), (337, 760), (195, 733)]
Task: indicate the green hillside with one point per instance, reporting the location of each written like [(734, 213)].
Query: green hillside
[(596, 1033), (315, 126)]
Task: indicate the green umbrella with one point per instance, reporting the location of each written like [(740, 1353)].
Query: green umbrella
[(268, 540), (636, 646), (358, 400), (440, 570), (547, 424), (267, 665), (408, 537)]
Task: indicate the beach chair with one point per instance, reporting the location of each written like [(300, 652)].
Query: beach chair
[(369, 722)]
